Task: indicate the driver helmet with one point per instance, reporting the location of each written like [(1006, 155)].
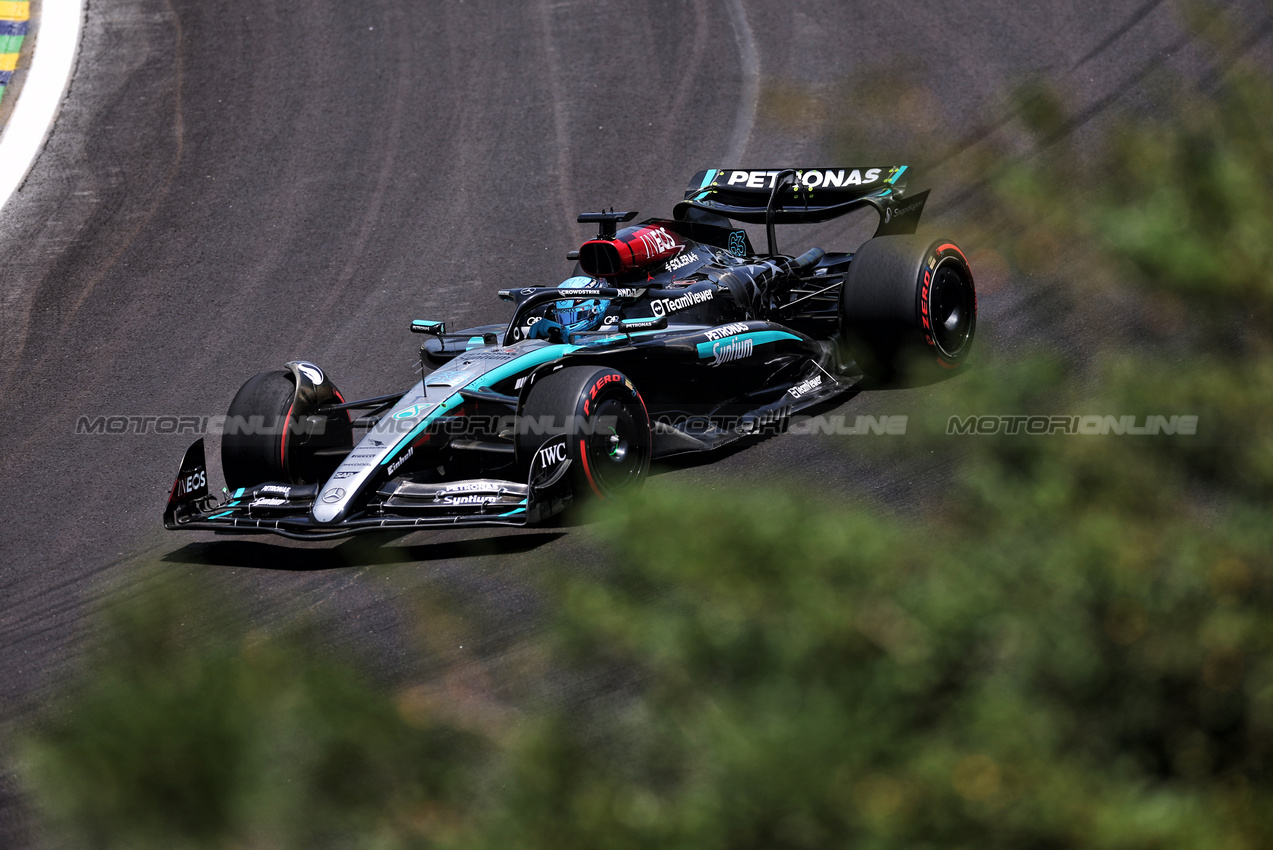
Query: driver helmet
[(572, 316)]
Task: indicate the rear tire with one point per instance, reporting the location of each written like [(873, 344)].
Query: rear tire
[(610, 443), (908, 308), (264, 440)]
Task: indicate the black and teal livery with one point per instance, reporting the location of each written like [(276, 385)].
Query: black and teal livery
[(673, 335)]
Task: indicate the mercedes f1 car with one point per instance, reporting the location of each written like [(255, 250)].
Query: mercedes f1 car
[(673, 335)]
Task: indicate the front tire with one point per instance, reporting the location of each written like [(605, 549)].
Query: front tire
[(605, 418), (908, 308), (267, 438)]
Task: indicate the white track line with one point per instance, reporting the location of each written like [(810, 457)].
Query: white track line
[(57, 39)]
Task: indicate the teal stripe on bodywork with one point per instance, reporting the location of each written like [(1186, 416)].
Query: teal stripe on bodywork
[(448, 405), (893, 179), (711, 174), (223, 513), (527, 361), (617, 336), (705, 349)]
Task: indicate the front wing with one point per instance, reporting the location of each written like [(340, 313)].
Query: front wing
[(399, 505)]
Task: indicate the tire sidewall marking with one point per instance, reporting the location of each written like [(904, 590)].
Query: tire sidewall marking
[(610, 385), (938, 257)]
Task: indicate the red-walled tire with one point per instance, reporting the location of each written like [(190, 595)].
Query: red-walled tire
[(610, 443), (908, 308), (265, 437)]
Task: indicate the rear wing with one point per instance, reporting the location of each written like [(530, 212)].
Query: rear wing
[(805, 195)]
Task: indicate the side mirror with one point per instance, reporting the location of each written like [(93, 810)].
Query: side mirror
[(424, 326)]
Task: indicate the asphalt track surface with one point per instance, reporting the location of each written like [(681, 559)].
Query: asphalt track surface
[(230, 186)]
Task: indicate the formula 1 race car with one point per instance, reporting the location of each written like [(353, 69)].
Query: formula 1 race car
[(673, 335)]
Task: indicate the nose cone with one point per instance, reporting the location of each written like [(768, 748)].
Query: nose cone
[(357, 471), (330, 505)]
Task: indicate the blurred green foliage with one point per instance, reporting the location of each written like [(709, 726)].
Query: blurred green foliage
[(822, 678), (1068, 645), (188, 729)]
